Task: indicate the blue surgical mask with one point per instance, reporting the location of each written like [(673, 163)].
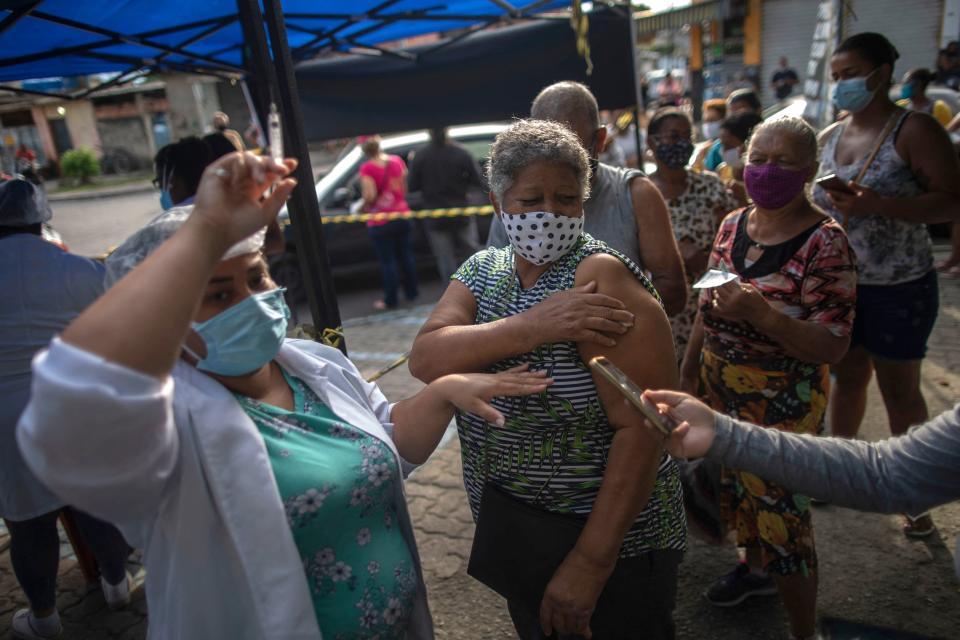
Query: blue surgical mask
[(852, 94), (166, 201), (244, 337), (907, 91)]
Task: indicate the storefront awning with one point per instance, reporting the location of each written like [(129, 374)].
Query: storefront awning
[(677, 18)]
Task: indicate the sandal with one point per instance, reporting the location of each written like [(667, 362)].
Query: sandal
[(918, 526)]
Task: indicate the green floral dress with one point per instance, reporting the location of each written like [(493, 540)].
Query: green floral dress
[(337, 485)]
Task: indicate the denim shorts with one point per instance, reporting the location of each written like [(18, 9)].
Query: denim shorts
[(894, 322)]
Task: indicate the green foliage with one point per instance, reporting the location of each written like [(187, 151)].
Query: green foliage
[(80, 164)]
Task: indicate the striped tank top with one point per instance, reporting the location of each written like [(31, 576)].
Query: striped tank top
[(552, 453)]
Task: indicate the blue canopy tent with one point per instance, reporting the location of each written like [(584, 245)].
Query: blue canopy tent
[(258, 40)]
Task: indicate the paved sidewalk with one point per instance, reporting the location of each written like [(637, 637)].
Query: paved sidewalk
[(869, 571)]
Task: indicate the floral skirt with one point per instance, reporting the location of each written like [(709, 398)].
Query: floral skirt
[(788, 395)]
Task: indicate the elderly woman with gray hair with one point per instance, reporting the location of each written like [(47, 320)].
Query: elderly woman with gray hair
[(261, 475), (570, 503)]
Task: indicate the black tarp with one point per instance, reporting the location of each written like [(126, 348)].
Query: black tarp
[(489, 76)]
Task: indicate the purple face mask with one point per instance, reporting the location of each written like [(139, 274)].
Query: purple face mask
[(771, 186)]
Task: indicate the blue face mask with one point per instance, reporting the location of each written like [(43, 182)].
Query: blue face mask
[(907, 91), (852, 94), (244, 337), (166, 201)]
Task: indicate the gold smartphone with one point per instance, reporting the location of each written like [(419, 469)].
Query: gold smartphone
[(633, 393)]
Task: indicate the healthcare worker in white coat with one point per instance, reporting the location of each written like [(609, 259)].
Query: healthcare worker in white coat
[(262, 476)]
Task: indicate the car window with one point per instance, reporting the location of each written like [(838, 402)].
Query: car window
[(347, 189)]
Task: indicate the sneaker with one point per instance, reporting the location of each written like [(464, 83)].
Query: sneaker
[(737, 586), (918, 527), (25, 626), (117, 595)]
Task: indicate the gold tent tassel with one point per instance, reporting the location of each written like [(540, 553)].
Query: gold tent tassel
[(581, 26)]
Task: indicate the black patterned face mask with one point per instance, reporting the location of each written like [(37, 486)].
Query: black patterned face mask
[(674, 155)]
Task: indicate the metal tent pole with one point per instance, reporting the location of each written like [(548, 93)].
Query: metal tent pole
[(638, 94), (303, 206)]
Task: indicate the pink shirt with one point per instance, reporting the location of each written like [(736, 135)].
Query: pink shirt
[(389, 179)]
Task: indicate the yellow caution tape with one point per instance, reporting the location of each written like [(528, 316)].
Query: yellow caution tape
[(390, 367), (386, 216), (329, 337)]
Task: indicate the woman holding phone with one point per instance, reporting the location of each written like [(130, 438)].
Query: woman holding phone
[(761, 348), (902, 173)]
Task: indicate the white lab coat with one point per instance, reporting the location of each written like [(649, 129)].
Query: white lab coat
[(183, 472)]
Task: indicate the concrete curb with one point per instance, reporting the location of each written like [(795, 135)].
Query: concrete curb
[(105, 192)]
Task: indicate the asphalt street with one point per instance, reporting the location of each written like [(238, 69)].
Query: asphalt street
[(91, 227)]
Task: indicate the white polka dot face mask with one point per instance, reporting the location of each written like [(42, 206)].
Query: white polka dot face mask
[(541, 237)]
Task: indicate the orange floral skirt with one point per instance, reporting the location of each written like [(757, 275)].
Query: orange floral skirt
[(793, 398)]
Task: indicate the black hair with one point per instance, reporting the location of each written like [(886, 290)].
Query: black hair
[(219, 145), (746, 95), (186, 159), (873, 47), (741, 126), (924, 76), (33, 229), (662, 116)]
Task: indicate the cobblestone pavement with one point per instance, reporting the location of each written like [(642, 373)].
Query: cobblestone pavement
[(869, 571)]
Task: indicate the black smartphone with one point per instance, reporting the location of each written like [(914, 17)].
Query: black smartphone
[(633, 393), (831, 182)]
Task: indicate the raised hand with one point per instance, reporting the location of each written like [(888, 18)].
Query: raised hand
[(579, 315), (230, 202), (472, 392), (695, 433)]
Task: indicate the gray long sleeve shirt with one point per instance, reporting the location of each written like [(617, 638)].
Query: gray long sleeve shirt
[(908, 474)]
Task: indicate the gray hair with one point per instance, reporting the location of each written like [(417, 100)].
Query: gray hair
[(529, 141), (567, 102), (797, 128)]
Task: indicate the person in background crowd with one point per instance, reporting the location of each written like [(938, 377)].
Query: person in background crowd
[(444, 172), (253, 136), (948, 67), (735, 132), (44, 289), (697, 202), (25, 157), (911, 473), (178, 168), (761, 347), (583, 459), (221, 124), (714, 113), (613, 153), (784, 80), (951, 266), (914, 179), (383, 184), (625, 210), (740, 102), (219, 145), (670, 92), (913, 96), (262, 476)]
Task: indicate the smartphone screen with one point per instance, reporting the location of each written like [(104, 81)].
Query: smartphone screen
[(633, 393), (833, 183)]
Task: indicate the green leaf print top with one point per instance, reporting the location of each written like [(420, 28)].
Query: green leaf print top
[(336, 483)]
